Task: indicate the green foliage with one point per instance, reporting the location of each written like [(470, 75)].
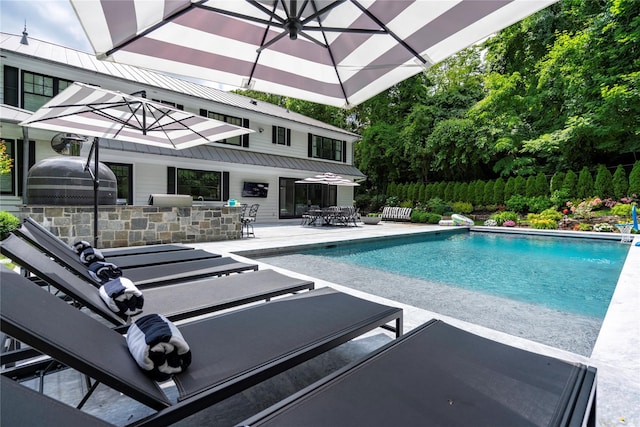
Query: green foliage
[(425, 217), (585, 188), (392, 190), (559, 198), (541, 185), (501, 217), (538, 204), (570, 184), (551, 214), (393, 201), (441, 187), (448, 191), (531, 187), (518, 203), (6, 162), (406, 204), (464, 192), (603, 185), (620, 183), (487, 195), (556, 181), (437, 205), (622, 210), (634, 179), (8, 223), (509, 189), (542, 224), (421, 193), (498, 191), (520, 186), (462, 207)]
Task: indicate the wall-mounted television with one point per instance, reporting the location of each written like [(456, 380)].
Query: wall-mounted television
[(255, 189)]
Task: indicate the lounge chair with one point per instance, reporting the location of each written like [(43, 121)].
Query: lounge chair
[(152, 275), (230, 352), (22, 406), (176, 301), (45, 240), (438, 375)]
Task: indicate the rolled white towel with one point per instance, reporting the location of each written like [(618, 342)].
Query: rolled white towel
[(80, 246), (122, 297), (91, 255), (103, 272), (158, 347)]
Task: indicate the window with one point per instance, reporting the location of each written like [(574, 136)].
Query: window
[(201, 185), (37, 89), (124, 181), (7, 180), (169, 103), (327, 148), (242, 140), (281, 136)]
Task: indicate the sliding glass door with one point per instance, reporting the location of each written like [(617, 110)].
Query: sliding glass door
[(295, 199)]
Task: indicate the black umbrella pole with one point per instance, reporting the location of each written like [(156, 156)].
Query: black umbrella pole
[(96, 186)]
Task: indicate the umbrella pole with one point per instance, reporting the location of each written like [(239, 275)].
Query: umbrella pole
[(96, 184)]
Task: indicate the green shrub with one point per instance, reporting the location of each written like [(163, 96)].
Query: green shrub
[(464, 193), (542, 185), (392, 190), (620, 183), (570, 182), (8, 223), (433, 218), (498, 191), (538, 204), (551, 214), (583, 227), (559, 198), (406, 204), (530, 189), (437, 206), (585, 188), (603, 185), (487, 195), (543, 224), (462, 207), (520, 186), (501, 217), (508, 189), (518, 203), (448, 192), (393, 201), (418, 216), (556, 181), (634, 180), (622, 210)]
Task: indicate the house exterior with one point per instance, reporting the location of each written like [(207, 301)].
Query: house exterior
[(261, 167)]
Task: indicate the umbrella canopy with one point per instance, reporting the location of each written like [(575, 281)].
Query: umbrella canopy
[(93, 111), (329, 179), (338, 52)]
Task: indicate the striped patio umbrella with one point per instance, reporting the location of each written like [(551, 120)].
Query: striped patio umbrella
[(337, 53), (329, 179), (93, 111)]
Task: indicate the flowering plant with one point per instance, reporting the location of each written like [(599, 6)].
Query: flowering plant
[(603, 226), (491, 223), (595, 203), (509, 224)]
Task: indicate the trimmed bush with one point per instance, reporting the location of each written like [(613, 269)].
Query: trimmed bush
[(620, 183), (634, 180), (603, 184), (487, 196), (570, 183), (8, 223), (541, 185), (448, 192), (437, 206), (585, 189), (462, 207), (518, 203), (520, 186), (464, 192), (509, 189), (498, 191), (543, 224), (425, 217), (538, 204), (556, 181), (530, 189)]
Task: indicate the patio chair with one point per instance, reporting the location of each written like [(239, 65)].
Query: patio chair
[(151, 275), (41, 237), (249, 220), (439, 375), (306, 325), (177, 301), (23, 406)]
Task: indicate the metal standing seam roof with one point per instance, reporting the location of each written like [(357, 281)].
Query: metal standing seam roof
[(78, 59), (229, 155)]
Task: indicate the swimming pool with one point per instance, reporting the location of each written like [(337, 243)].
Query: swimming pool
[(571, 275), (480, 258)]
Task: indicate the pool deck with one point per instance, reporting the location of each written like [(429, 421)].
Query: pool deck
[(616, 353)]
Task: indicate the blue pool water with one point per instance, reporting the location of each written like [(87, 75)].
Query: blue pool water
[(570, 275)]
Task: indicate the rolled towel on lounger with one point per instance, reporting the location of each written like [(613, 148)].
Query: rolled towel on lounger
[(122, 297), (104, 271), (158, 347), (91, 255), (80, 246)]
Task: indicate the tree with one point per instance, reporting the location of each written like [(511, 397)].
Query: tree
[(556, 181), (520, 186), (634, 180), (487, 196), (585, 188), (570, 184), (509, 188), (498, 191), (478, 192), (448, 192), (620, 183), (530, 189), (542, 186), (603, 185)]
